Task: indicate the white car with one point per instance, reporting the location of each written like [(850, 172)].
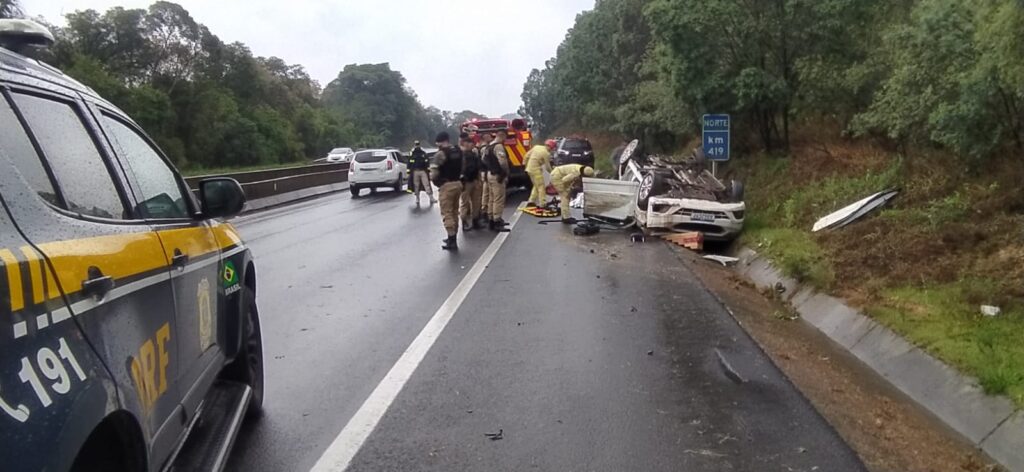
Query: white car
[(339, 155), (376, 168), (683, 196)]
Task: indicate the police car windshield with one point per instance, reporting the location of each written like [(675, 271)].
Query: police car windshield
[(364, 157)]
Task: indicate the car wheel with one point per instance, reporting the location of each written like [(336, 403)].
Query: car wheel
[(736, 191), (398, 185), (354, 190), (248, 364), (652, 184)]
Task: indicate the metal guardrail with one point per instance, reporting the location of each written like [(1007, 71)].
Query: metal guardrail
[(267, 183)]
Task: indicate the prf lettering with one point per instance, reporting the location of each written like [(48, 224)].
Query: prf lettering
[(149, 368)]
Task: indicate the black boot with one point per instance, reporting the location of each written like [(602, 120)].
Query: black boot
[(451, 244), (467, 226), (499, 226), (478, 223)]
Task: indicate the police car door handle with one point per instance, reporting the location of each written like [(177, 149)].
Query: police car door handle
[(179, 259), (97, 285)]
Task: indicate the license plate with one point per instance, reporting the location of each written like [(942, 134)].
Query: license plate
[(697, 216)]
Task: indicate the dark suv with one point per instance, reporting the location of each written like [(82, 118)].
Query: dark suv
[(129, 333), (574, 151)]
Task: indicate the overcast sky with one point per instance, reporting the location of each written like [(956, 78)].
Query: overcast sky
[(436, 44)]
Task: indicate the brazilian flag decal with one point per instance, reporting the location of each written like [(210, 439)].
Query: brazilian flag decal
[(230, 275)]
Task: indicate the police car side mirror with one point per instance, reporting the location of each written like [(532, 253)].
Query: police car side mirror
[(221, 197)]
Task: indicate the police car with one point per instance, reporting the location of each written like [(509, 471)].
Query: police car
[(129, 332)]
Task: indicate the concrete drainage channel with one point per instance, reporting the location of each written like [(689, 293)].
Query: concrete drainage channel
[(990, 422), (268, 188)]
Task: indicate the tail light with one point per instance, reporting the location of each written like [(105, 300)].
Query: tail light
[(391, 164), (352, 167)]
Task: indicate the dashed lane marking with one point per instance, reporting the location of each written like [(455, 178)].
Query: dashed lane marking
[(343, 449)]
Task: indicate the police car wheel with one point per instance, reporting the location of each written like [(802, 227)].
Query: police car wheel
[(248, 365)]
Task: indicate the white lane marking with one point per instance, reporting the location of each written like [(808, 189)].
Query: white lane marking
[(42, 321), (61, 314), (344, 448), (20, 329)]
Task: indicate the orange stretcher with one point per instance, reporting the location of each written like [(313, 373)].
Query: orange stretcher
[(541, 212)]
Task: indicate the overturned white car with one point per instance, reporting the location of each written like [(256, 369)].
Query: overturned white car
[(683, 195)]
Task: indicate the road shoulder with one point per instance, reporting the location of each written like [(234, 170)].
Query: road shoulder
[(885, 428)]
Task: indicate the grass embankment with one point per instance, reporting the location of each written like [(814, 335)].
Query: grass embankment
[(922, 266)]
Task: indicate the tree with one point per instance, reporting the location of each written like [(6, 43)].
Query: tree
[(955, 78), (376, 100), (177, 42), (10, 9), (742, 56)]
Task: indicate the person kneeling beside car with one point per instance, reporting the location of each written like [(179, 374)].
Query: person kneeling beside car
[(565, 178)]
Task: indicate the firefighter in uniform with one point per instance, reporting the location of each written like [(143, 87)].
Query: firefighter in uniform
[(446, 173), (469, 207), (564, 178), (496, 161), (419, 165), (483, 139), (538, 161)]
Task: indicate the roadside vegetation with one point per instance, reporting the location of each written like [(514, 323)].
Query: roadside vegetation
[(833, 101), (211, 104)]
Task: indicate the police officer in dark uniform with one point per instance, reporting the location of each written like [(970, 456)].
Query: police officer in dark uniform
[(495, 159), (419, 166), (472, 187), (482, 140), (446, 173)]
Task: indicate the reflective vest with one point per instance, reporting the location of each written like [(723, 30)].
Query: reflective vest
[(418, 159)]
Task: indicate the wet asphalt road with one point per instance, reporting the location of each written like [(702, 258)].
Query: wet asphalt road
[(589, 355)]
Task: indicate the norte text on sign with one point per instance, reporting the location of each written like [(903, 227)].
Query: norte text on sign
[(715, 137)]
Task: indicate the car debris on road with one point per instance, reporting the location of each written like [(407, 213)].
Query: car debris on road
[(495, 436), (855, 211), (724, 260), (692, 240)]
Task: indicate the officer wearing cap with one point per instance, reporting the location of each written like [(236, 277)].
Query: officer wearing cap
[(496, 161), (419, 166), (446, 173)]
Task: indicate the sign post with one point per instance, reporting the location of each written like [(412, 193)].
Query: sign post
[(715, 134)]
